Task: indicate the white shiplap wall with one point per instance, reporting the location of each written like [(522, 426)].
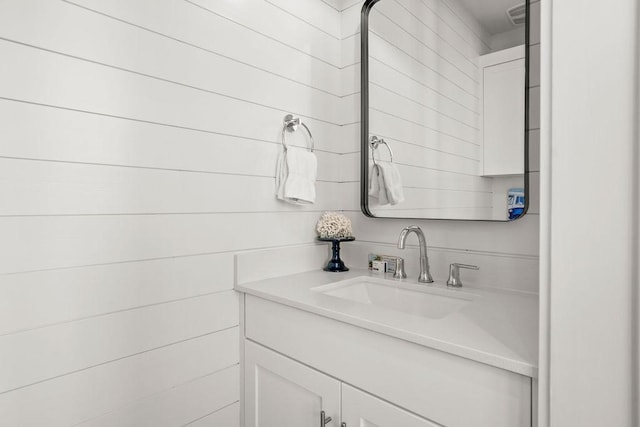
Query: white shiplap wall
[(137, 152), (507, 253)]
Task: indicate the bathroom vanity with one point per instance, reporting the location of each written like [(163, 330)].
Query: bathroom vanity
[(353, 350)]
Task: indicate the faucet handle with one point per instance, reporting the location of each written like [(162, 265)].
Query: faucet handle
[(400, 273), (454, 273)]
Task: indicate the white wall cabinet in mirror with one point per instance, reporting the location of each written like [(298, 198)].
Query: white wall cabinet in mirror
[(503, 100), (444, 102)]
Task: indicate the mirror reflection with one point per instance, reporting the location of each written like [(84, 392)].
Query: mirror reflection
[(443, 105)]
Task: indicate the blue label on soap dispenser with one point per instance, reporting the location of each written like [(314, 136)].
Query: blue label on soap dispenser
[(515, 203)]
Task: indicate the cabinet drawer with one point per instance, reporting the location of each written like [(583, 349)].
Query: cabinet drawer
[(447, 389)]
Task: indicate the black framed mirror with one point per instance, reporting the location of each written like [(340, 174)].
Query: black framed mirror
[(444, 109)]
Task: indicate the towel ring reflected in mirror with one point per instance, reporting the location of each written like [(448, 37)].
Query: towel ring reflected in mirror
[(375, 143), (290, 124)]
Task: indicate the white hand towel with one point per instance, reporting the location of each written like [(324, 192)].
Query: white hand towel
[(385, 184), (281, 174), (392, 182), (296, 176), (376, 186)]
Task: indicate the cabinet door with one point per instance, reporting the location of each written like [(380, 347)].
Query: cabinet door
[(280, 392), (360, 409), (503, 107)]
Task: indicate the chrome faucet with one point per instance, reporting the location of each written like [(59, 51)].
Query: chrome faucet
[(425, 276)]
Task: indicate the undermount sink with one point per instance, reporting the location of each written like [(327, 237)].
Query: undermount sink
[(418, 300)]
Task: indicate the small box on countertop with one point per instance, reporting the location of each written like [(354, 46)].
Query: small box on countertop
[(391, 262), (379, 266)]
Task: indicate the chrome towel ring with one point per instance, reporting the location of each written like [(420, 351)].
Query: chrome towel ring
[(291, 124), (375, 143)]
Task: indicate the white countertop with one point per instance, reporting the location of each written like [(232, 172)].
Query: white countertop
[(499, 328)]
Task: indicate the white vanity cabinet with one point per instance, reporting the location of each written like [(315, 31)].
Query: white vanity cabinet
[(304, 363), (281, 392)]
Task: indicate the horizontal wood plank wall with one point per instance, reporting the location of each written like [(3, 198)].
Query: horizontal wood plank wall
[(509, 250), (137, 153)]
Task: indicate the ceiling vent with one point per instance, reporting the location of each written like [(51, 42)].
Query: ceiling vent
[(517, 14)]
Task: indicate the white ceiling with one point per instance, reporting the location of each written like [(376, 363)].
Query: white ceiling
[(491, 14)]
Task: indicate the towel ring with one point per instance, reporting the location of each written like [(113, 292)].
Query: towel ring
[(375, 143), (291, 124)]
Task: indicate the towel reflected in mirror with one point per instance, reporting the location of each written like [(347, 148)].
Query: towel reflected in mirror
[(385, 184)]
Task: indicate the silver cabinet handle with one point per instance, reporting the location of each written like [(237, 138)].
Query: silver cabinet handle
[(343, 425), (324, 420)]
